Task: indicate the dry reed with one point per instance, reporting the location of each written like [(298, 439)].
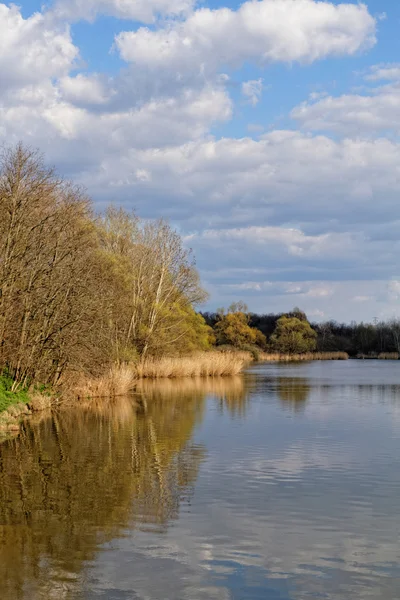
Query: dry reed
[(204, 364), (39, 402), (118, 381), (121, 379)]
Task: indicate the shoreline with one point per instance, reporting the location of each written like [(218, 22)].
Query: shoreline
[(121, 380)]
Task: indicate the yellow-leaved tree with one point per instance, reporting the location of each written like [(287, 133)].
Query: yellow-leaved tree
[(233, 328), (293, 336)]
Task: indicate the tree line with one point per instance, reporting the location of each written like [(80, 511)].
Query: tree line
[(292, 333), (80, 291)]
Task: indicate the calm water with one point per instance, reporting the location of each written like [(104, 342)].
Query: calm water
[(283, 484)]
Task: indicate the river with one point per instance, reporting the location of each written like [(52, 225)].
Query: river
[(283, 483)]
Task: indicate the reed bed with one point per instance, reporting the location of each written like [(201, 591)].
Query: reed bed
[(277, 357), (118, 381), (205, 364), (121, 379)]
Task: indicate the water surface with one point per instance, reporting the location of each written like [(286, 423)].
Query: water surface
[(282, 484)]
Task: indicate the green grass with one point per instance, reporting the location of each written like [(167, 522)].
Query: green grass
[(7, 397)]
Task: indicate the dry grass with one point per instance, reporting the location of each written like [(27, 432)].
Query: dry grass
[(204, 364), (39, 402), (264, 356), (119, 381)]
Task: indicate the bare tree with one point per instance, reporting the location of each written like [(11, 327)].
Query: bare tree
[(161, 278)]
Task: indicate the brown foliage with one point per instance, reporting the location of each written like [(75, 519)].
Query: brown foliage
[(46, 270), (78, 294)]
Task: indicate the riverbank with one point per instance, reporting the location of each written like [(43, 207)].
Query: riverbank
[(17, 405), (121, 380)]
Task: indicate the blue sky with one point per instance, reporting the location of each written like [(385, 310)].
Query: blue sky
[(267, 131)]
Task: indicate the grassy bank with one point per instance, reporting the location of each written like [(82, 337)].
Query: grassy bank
[(9, 398), (15, 405)]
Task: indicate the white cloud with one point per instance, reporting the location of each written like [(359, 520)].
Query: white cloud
[(145, 11), (296, 207), (264, 31), (279, 240), (82, 89), (252, 90), (353, 114), (44, 115), (32, 50), (390, 72)]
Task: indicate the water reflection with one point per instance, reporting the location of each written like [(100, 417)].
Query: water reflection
[(293, 392), (231, 393), (206, 490), (79, 478)]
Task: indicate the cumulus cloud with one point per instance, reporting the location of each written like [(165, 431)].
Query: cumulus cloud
[(90, 136), (86, 90), (285, 176), (353, 114), (375, 110), (145, 11), (32, 50), (264, 31), (281, 215)]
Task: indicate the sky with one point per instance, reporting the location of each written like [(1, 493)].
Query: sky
[(266, 131)]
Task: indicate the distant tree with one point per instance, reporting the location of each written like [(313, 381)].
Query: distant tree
[(234, 329), (240, 306), (394, 326), (298, 314), (293, 336)]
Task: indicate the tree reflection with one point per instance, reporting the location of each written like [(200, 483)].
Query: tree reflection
[(231, 393), (293, 392), (81, 477)]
